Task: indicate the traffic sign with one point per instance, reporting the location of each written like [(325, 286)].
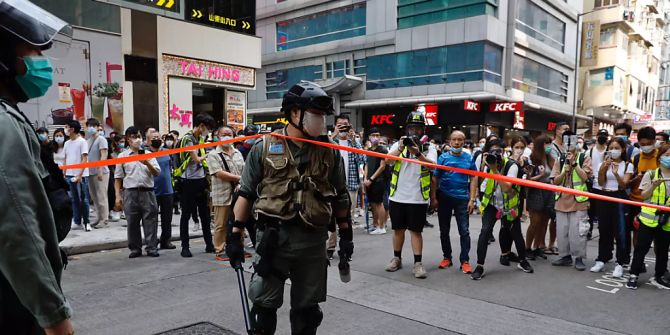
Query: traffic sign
[(238, 16)]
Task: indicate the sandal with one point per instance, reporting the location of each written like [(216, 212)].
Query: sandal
[(551, 251)]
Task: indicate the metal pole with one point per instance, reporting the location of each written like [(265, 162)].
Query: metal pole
[(245, 302), (577, 52)]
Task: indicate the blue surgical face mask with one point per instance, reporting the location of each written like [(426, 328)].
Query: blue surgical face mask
[(456, 150), (38, 77), (665, 161), (623, 137), (43, 137), (121, 145), (91, 131)]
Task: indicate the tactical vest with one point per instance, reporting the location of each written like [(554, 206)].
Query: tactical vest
[(285, 192), (185, 157), (648, 216), (510, 202), (424, 178), (577, 182)]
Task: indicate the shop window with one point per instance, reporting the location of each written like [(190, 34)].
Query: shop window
[(412, 13), (332, 25), (601, 77), (539, 24), (278, 82), (535, 78), (452, 64), (337, 69), (85, 13)]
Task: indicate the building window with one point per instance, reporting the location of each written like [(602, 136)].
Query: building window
[(540, 25), (85, 13), (335, 24), (534, 78), (601, 77), (608, 37), (360, 67), (605, 3), (412, 13), (278, 82), (337, 69), (452, 64)]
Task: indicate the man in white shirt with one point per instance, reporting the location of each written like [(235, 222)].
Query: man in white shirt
[(99, 184), (410, 192), (76, 152)]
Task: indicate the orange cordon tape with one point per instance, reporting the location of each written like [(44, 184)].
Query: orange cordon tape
[(522, 182)]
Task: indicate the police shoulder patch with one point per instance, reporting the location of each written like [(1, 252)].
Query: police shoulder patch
[(276, 148)]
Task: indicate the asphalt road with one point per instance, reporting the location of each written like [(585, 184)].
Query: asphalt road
[(112, 294)]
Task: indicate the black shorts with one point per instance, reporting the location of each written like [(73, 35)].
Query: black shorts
[(376, 192), (407, 216)]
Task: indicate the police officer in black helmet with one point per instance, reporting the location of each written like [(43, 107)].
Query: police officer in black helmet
[(31, 299), (296, 187)]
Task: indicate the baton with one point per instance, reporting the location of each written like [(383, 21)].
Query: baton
[(245, 300)]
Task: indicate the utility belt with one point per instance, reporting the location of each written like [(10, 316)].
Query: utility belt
[(141, 189), (264, 222), (267, 247)]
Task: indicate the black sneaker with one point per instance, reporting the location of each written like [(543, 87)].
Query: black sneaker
[(504, 260), (525, 266), (563, 261), (632, 282), (478, 273), (513, 257), (660, 282), (492, 239), (539, 253), (530, 255), (185, 252), (135, 254), (579, 264), (152, 253), (429, 225), (209, 250)]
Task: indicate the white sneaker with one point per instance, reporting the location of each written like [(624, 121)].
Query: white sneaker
[(598, 267), (361, 212), (376, 232), (382, 231), (195, 227), (419, 271), (87, 227), (618, 271)]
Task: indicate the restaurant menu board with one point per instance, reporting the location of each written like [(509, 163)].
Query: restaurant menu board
[(236, 109)]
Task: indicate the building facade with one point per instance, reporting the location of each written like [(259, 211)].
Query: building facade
[(662, 111), (483, 66), (622, 42)]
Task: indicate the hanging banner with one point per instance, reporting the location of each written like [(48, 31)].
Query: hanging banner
[(590, 42)]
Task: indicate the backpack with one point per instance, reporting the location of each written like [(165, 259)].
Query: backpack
[(56, 189)]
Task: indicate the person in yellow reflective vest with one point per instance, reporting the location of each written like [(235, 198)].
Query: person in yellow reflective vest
[(499, 201), (654, 224), (571, 170), (410, 191)]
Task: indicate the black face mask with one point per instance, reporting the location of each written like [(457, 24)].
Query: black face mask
[(602, 140), (156, 143)]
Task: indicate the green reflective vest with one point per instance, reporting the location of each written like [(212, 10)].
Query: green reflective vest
[(648, 216), (577, 182), (510, 201), (425, 178), (185, 156)]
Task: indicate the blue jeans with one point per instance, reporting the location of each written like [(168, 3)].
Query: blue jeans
[(80, 199), (447, 205)]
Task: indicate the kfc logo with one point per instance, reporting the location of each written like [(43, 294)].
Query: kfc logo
[(502, 107), (382, 119), (430, 113), (469, 105), (551, 126)]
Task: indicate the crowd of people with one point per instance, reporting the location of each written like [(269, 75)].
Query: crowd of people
[(202, 183)]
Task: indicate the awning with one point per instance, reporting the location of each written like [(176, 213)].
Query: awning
[(264, 110), (340, 85), (438, 98)]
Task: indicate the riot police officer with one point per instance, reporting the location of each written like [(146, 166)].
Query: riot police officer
[(296, 187)]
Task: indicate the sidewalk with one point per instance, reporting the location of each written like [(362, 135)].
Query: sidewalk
[(114, 236)]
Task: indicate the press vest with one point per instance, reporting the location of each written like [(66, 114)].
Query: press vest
[(577, 182), (285, 193), (424, 178), (510, 202), (648, 216), (185, 157)]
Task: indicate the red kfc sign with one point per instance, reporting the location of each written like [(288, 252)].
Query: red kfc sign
[(430, 113), (502, 107), (382, 119), (551, 126), (470, 105)]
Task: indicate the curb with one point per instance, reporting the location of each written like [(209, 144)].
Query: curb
[(120, 244)]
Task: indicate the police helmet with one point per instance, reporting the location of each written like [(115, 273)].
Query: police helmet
[(416, 118), (305, 95)]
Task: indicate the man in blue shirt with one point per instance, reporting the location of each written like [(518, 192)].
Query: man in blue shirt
[(453, 195), (163, 189)]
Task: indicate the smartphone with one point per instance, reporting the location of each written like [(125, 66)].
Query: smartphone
[(140, 152), (345, 128)]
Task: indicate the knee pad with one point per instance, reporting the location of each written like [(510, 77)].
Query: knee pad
[(304, 321), (263, 320)]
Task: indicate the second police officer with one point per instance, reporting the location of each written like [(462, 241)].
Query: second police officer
[(296, 187)]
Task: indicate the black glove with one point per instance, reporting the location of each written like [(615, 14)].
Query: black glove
[(347, 242), (235, 250)]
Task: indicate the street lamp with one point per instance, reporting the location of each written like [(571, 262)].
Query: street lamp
[(578, 51)]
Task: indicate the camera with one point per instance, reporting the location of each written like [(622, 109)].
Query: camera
[(410, 141), (494, 157), (140, 152), (662, 217)]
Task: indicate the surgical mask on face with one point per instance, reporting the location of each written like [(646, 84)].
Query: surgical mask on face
[(137, 143), (204, 134), (156, 143), (38, 77), (314, 124), (101, 133), (615, 154), (374, 141), (343, 135), (481, 145), (623, 137), (665, 161), (518, 152), (122, 145), (91, 130), (43, 137), (59, 139), (647, 149), (602, 140), (456, 150), (658, 144), (169, 143), (226, 138)]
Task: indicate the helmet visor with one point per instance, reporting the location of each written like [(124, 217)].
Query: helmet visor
[(34, 25), (324, 103)]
